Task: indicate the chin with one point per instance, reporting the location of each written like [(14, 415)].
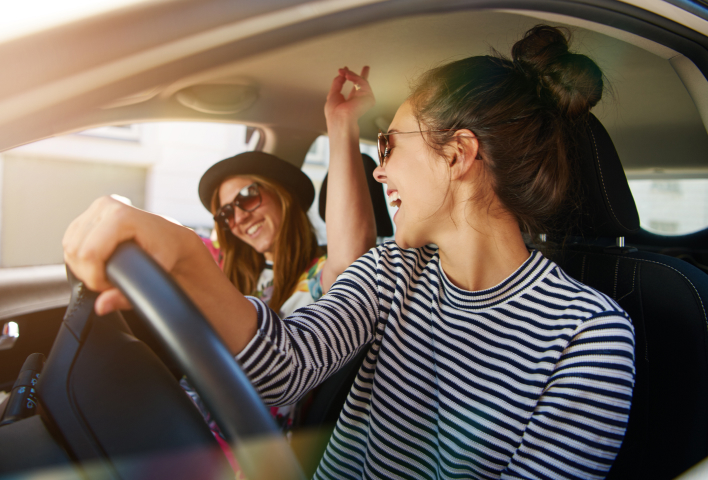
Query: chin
[(401, 241), (410, 241)]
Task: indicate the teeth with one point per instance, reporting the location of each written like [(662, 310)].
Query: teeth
[(253, 228), (393, 198)]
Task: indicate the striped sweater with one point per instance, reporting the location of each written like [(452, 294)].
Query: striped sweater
[(529, 379)]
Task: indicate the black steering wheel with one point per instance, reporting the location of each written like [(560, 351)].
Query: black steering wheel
[(191, 342)]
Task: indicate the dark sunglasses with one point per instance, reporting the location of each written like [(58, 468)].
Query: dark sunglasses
[(385, 149), (248, 199)]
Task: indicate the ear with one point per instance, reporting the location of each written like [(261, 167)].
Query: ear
[(464, 154)]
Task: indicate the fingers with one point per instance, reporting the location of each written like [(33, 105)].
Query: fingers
[(93, 236), (110, 301), (354, 78), (361, 84), (83, 252), (352, 106), (337, 84)]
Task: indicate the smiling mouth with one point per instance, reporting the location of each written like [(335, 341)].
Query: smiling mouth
[(254, 228), (394, 199)]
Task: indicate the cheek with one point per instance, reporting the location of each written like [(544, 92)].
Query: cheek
[(273, 215)]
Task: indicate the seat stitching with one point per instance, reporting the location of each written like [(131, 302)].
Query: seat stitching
[(582, 269), (684, 276), (614, 291), (602, 180), (634, 277)]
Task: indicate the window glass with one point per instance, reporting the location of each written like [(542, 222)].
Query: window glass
[(671, 206), (156, 166), (315, 166)]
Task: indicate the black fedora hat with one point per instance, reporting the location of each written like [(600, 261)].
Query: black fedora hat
[(266, 165)]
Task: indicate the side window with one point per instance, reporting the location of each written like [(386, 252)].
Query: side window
[(316, 166), (671, 206), (156, 166)]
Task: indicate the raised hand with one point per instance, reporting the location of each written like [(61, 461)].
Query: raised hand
[(351, 229), (360, 98)]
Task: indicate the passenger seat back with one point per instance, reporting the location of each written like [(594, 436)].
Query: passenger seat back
[(666, 299)]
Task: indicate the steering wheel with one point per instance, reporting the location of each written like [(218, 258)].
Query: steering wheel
[(197, 349)]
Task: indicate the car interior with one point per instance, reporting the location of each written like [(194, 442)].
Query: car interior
[(108, 394)]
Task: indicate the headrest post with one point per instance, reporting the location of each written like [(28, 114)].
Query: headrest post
[(542, 237), (620, 241)]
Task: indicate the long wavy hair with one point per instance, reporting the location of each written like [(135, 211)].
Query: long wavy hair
[(295, 247)]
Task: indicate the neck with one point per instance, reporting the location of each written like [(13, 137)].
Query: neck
[(480, 252)]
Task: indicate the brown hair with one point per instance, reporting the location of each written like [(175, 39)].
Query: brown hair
[(295, 247), (524, 111)]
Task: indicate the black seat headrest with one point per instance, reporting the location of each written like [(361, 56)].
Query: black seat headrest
[(607, 208), (384, 228)]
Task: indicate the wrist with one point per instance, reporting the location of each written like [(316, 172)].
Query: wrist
[(342, 126), (189, 251)]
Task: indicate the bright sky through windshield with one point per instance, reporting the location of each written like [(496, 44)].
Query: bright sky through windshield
[(18, 18)]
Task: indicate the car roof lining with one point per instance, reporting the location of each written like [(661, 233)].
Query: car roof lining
[(310, 82), (292, 109)]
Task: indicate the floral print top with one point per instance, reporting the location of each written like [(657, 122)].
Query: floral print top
[(307, 291)]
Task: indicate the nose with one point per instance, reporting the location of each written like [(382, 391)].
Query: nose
[(380, 174), (239, 216)]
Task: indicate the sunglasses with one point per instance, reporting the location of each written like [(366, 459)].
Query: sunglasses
[(385, 148), (248, 199)]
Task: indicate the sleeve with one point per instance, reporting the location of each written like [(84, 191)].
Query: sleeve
[(288, 357), (579, 422)]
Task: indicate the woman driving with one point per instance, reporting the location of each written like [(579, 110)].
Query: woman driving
[(484, 359)]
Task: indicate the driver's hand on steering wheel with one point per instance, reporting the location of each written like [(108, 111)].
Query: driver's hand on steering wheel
[(93, 236)]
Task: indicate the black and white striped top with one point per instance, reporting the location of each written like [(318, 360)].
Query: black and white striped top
[(530, 379)]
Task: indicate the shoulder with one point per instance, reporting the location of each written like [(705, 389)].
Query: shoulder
[(579, 299), (388, 262)]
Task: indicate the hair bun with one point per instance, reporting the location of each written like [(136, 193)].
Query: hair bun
[(573, 80)]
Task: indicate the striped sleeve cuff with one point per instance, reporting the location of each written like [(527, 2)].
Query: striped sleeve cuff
[(267, 349)]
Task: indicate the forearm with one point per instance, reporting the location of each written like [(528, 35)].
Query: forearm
[(304, 349), (229, 312), (351, 228)]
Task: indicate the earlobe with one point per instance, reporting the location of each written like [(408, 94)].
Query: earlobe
[(464, 155)]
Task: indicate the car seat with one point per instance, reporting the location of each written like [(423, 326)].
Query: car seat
[(384, 228), (666, 299), (690, 247)]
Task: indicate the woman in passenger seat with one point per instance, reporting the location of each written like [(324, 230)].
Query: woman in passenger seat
[(267, 245), (485, 360)]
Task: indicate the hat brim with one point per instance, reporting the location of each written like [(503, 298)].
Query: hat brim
[(264, 164)]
